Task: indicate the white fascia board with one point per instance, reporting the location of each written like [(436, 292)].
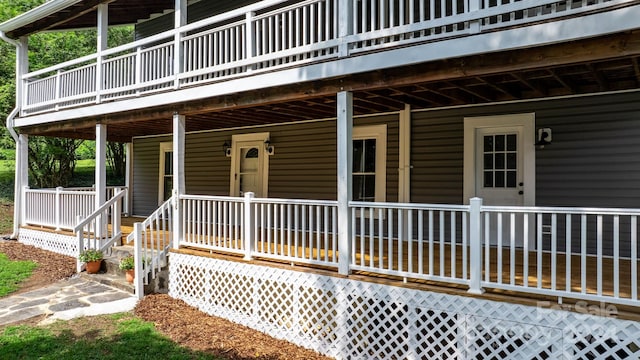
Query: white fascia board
[(35, 14), (537, 35)]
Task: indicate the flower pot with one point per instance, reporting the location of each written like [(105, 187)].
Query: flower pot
[(93, 267), (130, 275)]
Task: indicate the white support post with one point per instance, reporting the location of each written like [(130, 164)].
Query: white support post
[(475, 246), (345, 25), (345, 187), (22, 67), (101, 172), (21, 183), (178, 176), (247, 226), (138, 260), (80, 243), (128, 151), (179, 21), (102, 36), (404, 173)]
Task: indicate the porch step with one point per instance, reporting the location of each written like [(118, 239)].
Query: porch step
[(110, 273)]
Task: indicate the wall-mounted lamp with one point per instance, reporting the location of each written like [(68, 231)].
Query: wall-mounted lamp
[(268, 147), (226, 148), (544, 137)]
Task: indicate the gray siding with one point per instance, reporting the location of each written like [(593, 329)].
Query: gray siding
[(195, 12), (594, 159), (303, 166)]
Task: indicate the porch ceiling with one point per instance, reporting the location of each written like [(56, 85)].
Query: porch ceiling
[(83, 15), (609, 63)]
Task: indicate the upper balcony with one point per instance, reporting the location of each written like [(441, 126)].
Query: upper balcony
[(275, 42)]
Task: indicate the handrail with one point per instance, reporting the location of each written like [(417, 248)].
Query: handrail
[(99, 211)]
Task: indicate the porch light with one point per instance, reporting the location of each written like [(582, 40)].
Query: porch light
[(226, 148), (268, 147), (544, 137)]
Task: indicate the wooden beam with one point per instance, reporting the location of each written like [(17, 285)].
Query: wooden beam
[(602, 83), (537, 89), (561, 81), (467, 90), (497, 87)]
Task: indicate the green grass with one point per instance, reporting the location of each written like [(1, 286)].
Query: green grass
[(12, 273), (120, 336)]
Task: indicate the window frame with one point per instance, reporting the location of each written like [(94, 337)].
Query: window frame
[(165, 147), (378, 133)]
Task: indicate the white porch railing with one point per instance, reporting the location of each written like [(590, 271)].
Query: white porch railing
[(411, 240), (268, 35), (101, 229), (581, 253), (152, 240), (60, 207)]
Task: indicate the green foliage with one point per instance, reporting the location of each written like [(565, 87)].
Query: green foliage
[(12, 273), (90, 255), (127, 263), (117, 337), (52, 161)]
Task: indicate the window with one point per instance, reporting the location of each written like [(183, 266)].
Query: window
[(500, 153), (165, 186), (369, 163)]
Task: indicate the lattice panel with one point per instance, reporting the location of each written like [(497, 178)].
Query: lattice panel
[(57, 243), (496, 339), (349, 319)]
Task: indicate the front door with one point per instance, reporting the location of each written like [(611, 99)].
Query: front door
[(249, 171), (500, 169)]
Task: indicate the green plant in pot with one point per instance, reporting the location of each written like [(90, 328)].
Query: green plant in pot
[(93, 259), (128, 264)]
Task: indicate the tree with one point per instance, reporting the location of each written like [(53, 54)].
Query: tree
[(51, 161), (116, 158)]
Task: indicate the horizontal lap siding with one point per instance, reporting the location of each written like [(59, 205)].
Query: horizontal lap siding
[(303, 166), (593, 161)]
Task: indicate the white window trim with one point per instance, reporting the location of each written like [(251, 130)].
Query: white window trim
[(235, 139), (527, 122), (164, 148), (379, 133)]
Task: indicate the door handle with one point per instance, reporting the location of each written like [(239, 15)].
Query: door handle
[(520, 192)]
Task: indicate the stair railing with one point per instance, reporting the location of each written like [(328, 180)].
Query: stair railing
[(152, 242)]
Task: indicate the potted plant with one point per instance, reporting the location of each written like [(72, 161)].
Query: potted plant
[(128, 264), (93, 259)]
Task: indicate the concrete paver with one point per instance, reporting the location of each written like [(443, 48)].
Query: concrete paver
[(66, 299)]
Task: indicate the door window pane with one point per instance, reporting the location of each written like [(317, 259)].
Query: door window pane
[(500, 163)]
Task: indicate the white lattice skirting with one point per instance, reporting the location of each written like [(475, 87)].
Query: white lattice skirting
[(58, 243), (349, 319)]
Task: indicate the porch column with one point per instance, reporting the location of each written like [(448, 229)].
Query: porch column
[(345, 24), (178, 175), (404, 173), (345, 188), (180, 20), (101, 164), (21, 181), (128, 166), (102, 36)]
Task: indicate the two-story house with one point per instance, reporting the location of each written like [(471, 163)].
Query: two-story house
[(368, 178)]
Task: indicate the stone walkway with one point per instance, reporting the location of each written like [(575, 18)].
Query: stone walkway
[(64, 300)]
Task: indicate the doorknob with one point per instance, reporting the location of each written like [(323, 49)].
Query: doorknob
[(521, 184), (520, 192)]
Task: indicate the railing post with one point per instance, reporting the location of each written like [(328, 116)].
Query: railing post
[(345, 185), (475, 246), (474, 25), (138, 260), (116, 213), (80, 238), (57, 206), (23, 212), (250, 39), (180, 20), (345, 25), (247, 226), (58, 89)]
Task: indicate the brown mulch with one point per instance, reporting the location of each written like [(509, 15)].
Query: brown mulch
[(192, 328), (182, 323), (51, 267)]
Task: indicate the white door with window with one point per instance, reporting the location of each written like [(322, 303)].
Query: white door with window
[(499, 167), (369, 170), (249, 165)]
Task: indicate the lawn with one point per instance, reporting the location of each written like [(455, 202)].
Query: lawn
[(120, 336), (12, 273)]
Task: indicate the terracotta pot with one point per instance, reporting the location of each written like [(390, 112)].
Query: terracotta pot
[(93, 267), (130, 275)]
